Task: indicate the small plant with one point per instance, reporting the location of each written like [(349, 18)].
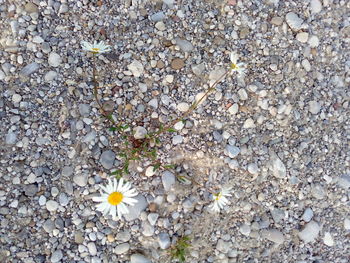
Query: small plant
[(179, 250)]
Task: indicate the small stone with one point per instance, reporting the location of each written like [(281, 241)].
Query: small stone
[(314, 41), (328, 239), (51, 205), (306, 64), (294, 21), (248, 124), (30, 8), (84, 109), (277, 167), (136, 68), (123, 236), (164, 240), (314, 107), (29, 69), (243, 95), (157, 16), (80, 179), (347, 223), (253, 168), (30, 190), (67, 171), (152, 218), (185, 46), (310, 232), (168, 180), (135, 210), (38, 40), (153, 103), (11, 138), (160, 26), (56, 256), (273, 235), (50, 76), (79, 237), (318, 192), (223, 246), (177, 63), (169, 78), (233, 109), (277, 214), (183, 106), (150, 171), (49, 226), (232, 151), (107, 159), (138, 258), (140, 132), (179, 125), (307, 215), (277, 21), (177, 139), (54, 59), (302, 37), (198, 69), (122, 248), (92, 248), (245, 230), (147, 229), (2, 75), (315, 6)]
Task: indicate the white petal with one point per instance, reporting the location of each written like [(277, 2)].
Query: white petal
[(131, 193), (101, 207), (115, 185), (113, 211), (129, 201), (121, 181), (119, 212), (102, 198), (104, 188), (123, 209), (234, 57)]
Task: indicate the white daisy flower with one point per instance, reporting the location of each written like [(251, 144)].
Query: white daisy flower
[(95, 48), (220, 200), (236, 67), (115, 197)]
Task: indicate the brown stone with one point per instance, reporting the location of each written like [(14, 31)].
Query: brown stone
[(177, 63), (31, 8), (160, 64), (152, 207)]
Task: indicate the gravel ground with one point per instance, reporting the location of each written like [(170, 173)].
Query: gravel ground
[(279, 135)]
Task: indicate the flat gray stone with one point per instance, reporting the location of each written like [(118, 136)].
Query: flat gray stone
[(138, 258), (122, 248), (107, 159), (56, 256), (29, 69), (80, 179), (310, 232), (164, 240), (135, 211), (168, 180), (273, 235)]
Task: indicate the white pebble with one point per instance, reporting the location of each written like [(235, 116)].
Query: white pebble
[(315, 6), (233, 109), (306, 64), (314, 41), (54, 59), (249, 123), (328, 239), (183, 106), (51, 205), (302, 37), (150, 171), (16, 98)]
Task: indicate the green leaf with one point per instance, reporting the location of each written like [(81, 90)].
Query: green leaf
[(124, 127), (171, 130), (156, 167), (169, 166), (157, 140), (112, 129)]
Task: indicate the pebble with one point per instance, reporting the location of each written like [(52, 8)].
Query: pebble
[(79, 237), (29, 69), (314, 107), (84, 109), (138, 258), (310, 232), (135, 210), (233, 109), (179, 125), (136, 68), (51, 205), (177, 139), (30, 190), (152, 218), (122, 248), (10, 138), (183, 106), (67, 171), (177, 63), (30, 8), (49, 226), (277, 214), (92, 248), (157, 16), (243, 95), (294, 21), (169, 78), (50, 76), (147, 229), (150, 171), (168, 180), (278, 168), (123, 236), (2, 75), (347, 223), (107, 159), (198, 69), (54, 59), (153, 103), (302, 37), (248, 124), (38, 40), (253, 168), (232, 151), (56, 256), (328, 239), (140, 132), (306, 64), (185, 46), (307, 215), (273, 235), (245, 229), (160, 26), (315, 6), (164, 240), (223, 246), (314, 41), (277, 21), (318, 192), (42, 200), (80, 179)]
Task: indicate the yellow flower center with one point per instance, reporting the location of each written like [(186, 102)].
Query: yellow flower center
[(115, 198), (234, 66), (218, 196), (95, 50)]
